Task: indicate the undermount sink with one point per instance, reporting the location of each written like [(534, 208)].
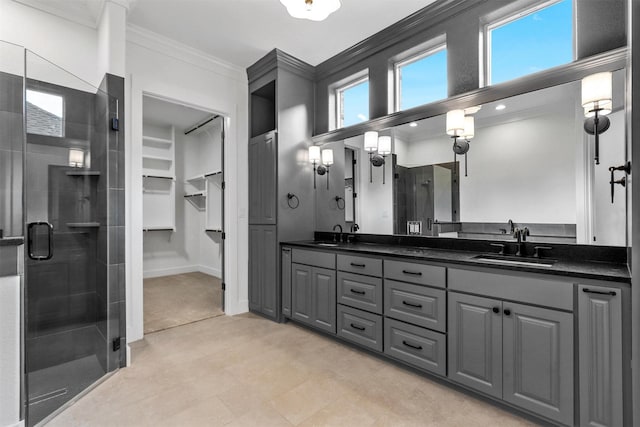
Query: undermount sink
[(331, 245), (508, 260)]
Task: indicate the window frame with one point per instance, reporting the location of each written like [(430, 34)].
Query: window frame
[(339, 90), (63, 118), (397, 76), (517, 10)]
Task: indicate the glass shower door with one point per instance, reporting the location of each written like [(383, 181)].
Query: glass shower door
[(66, 187)]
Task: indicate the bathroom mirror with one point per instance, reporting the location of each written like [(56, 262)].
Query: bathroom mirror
[(530, 164)]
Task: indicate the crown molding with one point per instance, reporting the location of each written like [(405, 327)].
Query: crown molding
[(182, 52), (282, 60), (404, 29)]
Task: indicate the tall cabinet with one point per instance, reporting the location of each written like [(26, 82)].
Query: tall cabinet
[(281, 98)]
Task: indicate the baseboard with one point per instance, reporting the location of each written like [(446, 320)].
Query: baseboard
[(170, 271), (242, 307), (215, 272), (18, 424)]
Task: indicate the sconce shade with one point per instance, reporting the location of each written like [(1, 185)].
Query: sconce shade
[(384, 145), (455, 122), (327, 157), (469, 128), (76, 158), (314, 154), (596, 92), (314, 10), (370, 141)]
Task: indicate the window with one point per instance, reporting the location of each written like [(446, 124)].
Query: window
[(421, 79), (45, 113), (353, 102), (530, 41)]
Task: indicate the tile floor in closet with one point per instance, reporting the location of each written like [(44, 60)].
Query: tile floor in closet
[(248, 371), (171, 301)]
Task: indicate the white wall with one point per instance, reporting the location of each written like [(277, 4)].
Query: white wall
[(9, 350), (72, 46), (521, 170), (165, 68)]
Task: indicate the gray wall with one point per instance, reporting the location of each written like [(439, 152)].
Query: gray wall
[(598, 30)]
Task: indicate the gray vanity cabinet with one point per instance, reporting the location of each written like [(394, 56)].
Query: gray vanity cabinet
[(262, 179), (285, 272), (600, 352), (538, 360), (519, 353), (263, 289), (475, 342), (313, 296)]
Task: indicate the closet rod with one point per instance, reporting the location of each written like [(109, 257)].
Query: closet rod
[(196, 127)]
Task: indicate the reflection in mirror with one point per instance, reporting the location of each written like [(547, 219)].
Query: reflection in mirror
[(530, 165)]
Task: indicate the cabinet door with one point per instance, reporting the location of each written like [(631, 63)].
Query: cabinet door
[(475, 342), (324, 299), (285, 274), (301, 293), (538, 360), (269, 261), (255, 267), (600, 354), (262, 179)]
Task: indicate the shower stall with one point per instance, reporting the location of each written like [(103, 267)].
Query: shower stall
[(62, 191)]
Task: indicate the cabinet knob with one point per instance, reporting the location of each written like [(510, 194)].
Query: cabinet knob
[(507, 312), (496, 310)]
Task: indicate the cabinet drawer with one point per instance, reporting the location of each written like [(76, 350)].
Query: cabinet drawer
[(415, 273), (360, 265), (360, 327), (420, 305), (513, 286), (315, 258), (419, 347), (359, 291)]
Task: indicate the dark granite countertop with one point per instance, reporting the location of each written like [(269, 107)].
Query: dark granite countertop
[(605, 271), (11, 241)]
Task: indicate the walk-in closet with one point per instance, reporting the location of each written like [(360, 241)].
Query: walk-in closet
[(183, 198)]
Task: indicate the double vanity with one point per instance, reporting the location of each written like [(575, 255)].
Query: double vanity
[(546, 336)]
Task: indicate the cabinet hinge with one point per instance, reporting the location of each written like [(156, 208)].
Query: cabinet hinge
[(116, 344), (224, 286), (224, 236), (115, 124), (223, 185)]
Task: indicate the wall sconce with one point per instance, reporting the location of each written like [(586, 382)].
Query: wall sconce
[(384, 149), (327, 161), (76, 158), (597, 103), (370, 145), (314, 157), (461, 129)]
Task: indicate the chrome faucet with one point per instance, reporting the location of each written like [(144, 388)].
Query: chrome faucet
[(339, 226), (521, 235), (511, 226), (355, 227)]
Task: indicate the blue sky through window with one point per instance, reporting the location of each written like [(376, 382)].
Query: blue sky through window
[(424, 80), (535, 42), (355, 104)]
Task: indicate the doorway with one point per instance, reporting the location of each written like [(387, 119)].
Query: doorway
[(183, 205)]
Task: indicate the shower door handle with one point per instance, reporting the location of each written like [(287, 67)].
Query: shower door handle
[(30, 229)]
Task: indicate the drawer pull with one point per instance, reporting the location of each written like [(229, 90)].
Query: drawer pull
[(353, 291), (410, 304), (355, 264), (589, 291), (413, 273), (360, 328), (415, 347)]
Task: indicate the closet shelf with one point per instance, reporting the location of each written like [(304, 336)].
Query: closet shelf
[(200, 194), (213, 230), (159, 228), (203, 176), (159, 177), (157, 140), (157, 158)]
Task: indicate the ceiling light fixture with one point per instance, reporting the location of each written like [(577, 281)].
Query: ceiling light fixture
[(314, 10)]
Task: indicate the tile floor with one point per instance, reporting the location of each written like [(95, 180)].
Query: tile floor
[(172, 301), (248, 371)]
